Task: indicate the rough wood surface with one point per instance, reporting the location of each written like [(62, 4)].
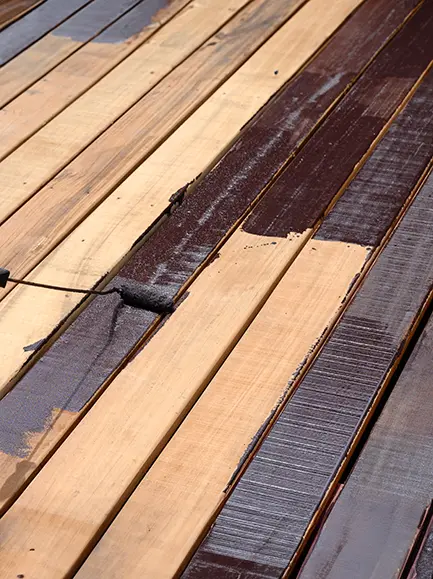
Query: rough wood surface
[(260, 528), (173, 506), (375, 519), (53, 48), (177, 251), (32, 26)]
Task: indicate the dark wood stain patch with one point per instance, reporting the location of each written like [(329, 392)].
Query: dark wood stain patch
[(79, 362), (265, 518), (94, 17), (375, 519), (31, 27), (326, 161)]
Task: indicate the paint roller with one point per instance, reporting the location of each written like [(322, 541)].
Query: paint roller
[(134, 295)]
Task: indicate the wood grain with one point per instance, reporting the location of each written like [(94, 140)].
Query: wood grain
[(32, 26), (45, 54), (375, 519), (184, 155), (79, 363), (264, 522), (123, 432)]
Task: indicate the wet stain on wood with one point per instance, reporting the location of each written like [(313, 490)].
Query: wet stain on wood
[(325, 162), (104, 333), (31, 27), (264, 520)]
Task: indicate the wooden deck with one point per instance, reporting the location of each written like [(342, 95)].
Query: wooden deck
[(266, 164)]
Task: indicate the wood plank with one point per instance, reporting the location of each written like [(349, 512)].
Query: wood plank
[(179, 249), (31, 27), (58, 142), (226, 50), (375, 519), (120, 224), (184, 155), (110, 449), (29, 66), (174, 504), (289, 481), (11, 10)]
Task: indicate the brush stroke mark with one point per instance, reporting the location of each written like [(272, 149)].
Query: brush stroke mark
[(182, 243), (264, 521)]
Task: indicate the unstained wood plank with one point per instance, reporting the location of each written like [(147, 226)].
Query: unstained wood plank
[(225, 51), (79, 363), (143, 406), (53, 48)]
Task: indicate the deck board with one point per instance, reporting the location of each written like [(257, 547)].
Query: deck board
[(180, 247), (161, 523)]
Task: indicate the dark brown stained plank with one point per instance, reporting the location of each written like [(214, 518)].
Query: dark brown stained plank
[(11, 10), (260, 528), (81, 191), (34, 25), (104, 333), (372, 525)]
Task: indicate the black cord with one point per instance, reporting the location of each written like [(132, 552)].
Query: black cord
[(64, 289)]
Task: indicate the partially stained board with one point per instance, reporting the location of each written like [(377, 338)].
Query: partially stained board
[(177, 250), (261, 527)]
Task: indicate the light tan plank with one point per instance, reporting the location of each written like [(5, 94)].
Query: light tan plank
[(126, 429), (163, 519), (144, 195), (24, 115), (30, 166)]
